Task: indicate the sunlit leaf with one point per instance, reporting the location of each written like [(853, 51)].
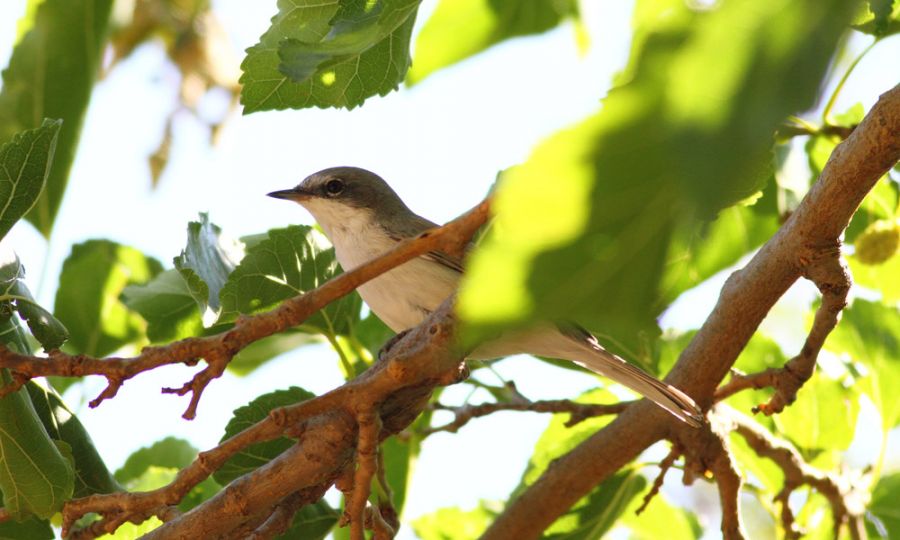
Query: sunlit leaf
[(328, 54), (661, 520), (459, 29), (24, 167), (258, 454), (455, 523), (167, 305), (593, 215), (291, 261), (50, 75), (36, 474), (823, 417), (869, 333), (170, 452), (205, 264), (883, 517), (46, 328), (91, 474), (88, 298)]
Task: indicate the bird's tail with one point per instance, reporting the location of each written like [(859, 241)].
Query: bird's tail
[(591, 355)]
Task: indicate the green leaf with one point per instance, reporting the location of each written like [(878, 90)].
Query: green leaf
[(372, 333), (91, 474), (261, 453), (312, 522), (869, 333), (205, 264), (456, 524), (170, 452), (291, 261), (661, 520), (167, 305), (36, 478), (328, 54), (24, 167), (30, 529), (883, 516), (883, 21), (50, 75), (441, 42), (593, 516), (823, 417), (880, 203), (663, 156), (45, 327), (88, 299), (878, 277), (700, 250), (260, 352)]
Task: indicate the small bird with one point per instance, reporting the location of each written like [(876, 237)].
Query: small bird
[(364, 218)]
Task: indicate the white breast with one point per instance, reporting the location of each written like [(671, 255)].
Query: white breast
[(401, 297)]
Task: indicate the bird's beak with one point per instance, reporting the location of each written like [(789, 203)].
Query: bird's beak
[(293, 194)]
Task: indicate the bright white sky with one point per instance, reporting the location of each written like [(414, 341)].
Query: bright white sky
[(440, 144)]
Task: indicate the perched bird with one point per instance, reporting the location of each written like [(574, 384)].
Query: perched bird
[(364, 218)]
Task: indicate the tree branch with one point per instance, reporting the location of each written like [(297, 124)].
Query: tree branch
[(578, 411), (219, 349), (848, 505), (748, 295)]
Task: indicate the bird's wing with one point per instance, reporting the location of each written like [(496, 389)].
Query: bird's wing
[(417, 226)]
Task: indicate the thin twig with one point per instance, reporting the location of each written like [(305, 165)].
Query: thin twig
[(579, 411)]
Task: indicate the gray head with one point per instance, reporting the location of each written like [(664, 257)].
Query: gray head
[(331, 195)]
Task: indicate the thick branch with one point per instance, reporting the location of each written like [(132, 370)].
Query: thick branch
[(219, 349), (851, 172)]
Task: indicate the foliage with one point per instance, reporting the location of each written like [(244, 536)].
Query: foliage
[(678, 176)]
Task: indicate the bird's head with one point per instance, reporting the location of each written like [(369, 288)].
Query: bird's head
[(340, 194)]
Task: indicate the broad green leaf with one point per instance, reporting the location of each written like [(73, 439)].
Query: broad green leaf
[(593, 516), (88, 299), (170, 452), (882, 202), (459, 29), (881, 20), (757, 470), (36, 476), (260, 352), (292, 261), (823, 417), (331, 53), (44, 327), (456, 524), (91, 474), (662, 156), (879, 277), (661, 520), (400, 457), (24, 167), (372, 333), (167, 305), (50, 75), (205, 264), (558, 439), (30, 529), (312, 522), (883, 517), (698, 251), (261, 453), (133, 531), (869, 333)]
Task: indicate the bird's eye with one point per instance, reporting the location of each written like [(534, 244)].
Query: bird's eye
[(334, 187)]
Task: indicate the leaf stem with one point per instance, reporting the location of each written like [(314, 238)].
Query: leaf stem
[(840, 84)]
